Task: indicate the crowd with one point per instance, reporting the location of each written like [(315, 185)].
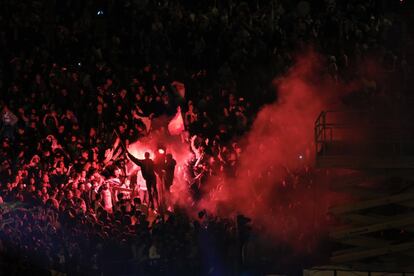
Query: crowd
[(72, 73)]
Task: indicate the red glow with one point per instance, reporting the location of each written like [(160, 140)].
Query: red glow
[(274, 187), (180, 151), (277, 185)]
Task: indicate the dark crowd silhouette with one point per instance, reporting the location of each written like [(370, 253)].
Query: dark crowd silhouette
[(77, 76)]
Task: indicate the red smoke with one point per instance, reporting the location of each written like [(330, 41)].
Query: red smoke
[(277, 185)]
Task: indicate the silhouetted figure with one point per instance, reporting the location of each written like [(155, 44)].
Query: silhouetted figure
[(170, 164), (147, 171)]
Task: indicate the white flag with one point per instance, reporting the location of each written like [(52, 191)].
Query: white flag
[(176, 125)]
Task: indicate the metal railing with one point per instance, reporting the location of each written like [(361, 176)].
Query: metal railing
[(341, 127)]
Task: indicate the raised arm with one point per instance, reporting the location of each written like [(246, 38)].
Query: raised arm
[(134, 159), (193, 147)]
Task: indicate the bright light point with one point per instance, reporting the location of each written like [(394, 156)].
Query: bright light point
[(161, 151), (300, 156)]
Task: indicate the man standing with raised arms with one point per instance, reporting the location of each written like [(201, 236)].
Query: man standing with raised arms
[(147, 170)]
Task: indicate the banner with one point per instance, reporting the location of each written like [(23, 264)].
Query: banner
[(176, 125)]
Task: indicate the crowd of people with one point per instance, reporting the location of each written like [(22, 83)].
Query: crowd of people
[(74, 75)]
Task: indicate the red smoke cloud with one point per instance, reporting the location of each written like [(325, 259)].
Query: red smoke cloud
[(276, 185)]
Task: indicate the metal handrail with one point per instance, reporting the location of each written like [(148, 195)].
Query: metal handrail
[(397, 132)]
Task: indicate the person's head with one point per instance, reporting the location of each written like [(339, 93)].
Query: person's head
[(137, 201), (69, 194), (45, 178), (5, 143), (85, 154), (82, 187), (120, 196), (35, 159), (46, 153), (20, 131), (99, 108), (92, 132), (117, 172), (121, 128), (69, 113), (20, 186), (147, 155), (141, 90)]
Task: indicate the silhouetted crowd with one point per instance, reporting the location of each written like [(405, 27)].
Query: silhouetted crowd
[(72, 73)]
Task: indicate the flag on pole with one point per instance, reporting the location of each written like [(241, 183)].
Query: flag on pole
[(176, 125), (117, 150), (146, 121)]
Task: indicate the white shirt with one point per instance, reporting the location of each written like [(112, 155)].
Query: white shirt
[(107, 199), (141, 182)]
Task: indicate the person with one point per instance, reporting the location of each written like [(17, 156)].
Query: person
[(142, 187), (116, 179), (107, 198), (8, 122), (148, 173), (170, 164)]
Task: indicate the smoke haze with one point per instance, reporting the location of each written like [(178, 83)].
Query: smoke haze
[(277, 185)]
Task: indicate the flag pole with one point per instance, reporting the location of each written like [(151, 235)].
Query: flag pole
[(120, 141)]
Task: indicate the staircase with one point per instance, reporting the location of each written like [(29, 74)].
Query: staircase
[(376, 230)]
